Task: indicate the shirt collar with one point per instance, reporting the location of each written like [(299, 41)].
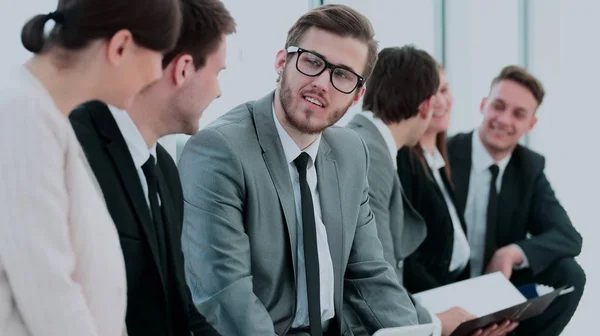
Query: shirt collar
[(290, 149), (482, 160), (435, 160), (385, 132), (133, 137)]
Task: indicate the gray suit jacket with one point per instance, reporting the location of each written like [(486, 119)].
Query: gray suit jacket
[(400, 227), (239, 235)]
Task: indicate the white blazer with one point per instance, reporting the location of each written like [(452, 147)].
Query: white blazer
[(61, 267)]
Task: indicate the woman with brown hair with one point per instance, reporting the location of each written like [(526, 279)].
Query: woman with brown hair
[(61, 265), (425, 174)]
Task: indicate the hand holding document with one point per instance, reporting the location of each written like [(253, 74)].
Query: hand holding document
[(491, 297)]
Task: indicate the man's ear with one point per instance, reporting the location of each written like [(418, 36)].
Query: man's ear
[(280, 60), (426, 107), (482, 104), (358, 95), (182, 69), (532, 124)]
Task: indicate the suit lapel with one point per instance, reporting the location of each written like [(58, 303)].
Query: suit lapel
[(276, 162), (461, 171), (118, 151), (415, 230), (330, 195)]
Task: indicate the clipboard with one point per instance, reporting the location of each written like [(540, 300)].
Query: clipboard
[(516, 313)]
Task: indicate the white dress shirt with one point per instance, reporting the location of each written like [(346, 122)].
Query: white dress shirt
[(140, 153), (388, 137), (477, 203), (292, 151), (461, 251)]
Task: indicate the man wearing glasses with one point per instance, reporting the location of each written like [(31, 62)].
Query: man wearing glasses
[(278, 235)]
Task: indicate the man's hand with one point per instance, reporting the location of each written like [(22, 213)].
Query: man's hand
[(497, 329), (452, 318), (504, 260)]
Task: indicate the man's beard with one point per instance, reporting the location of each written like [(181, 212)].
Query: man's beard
[(297, 120)]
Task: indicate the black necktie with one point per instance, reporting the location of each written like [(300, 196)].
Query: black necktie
[(149, 169), (492, 216), (311, 257)]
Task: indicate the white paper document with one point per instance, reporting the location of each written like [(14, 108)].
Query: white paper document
[(416, 330), (479, 296)]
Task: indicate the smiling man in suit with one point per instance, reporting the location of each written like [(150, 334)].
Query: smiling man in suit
[(278, 234), (392, 118), (515, 224), (139, 178)]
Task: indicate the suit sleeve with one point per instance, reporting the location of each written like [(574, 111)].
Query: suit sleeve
[(197, 322), (379, 201), (371, 285), (214, 242), (553, 234), (36, 250)]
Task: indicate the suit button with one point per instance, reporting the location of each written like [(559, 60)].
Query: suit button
[(400, 263)]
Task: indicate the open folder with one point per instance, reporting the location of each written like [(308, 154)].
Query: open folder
[(492, 298)]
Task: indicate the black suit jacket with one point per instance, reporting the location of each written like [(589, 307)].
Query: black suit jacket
[(149, 300), (527, 205), (427, 267)]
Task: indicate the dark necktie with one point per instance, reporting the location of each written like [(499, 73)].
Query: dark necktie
[(149, 169), (492, 216), (311, 257)]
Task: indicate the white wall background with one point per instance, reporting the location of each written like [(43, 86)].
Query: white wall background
[(564, 53), (481, 37), (396, 23)]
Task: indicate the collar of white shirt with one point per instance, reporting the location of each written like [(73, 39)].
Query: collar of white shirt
[(435, 160), (482, 160), (133, 137), (385, 132), (290, 148)]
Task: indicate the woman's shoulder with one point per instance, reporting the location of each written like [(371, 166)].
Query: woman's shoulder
[(25, 104)]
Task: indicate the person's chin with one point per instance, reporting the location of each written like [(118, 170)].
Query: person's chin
[(499, 145)]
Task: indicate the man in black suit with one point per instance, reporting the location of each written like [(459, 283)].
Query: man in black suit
[(139, 178), (515, 224)]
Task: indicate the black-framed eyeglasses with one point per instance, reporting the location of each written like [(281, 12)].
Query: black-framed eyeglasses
[(312, 64)]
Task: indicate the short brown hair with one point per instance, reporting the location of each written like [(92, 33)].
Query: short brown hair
[(340, 20), (205, 22), (402, 79), (154, 24), (521, 76)]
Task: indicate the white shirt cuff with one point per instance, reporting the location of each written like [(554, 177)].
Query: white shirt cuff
[(525, 263), (437, 324)]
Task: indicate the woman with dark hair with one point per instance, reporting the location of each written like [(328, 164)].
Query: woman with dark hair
[(61, 265), (425, 174)]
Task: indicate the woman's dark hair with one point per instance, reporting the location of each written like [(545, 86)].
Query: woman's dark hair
[(154, 24), (440, 143)]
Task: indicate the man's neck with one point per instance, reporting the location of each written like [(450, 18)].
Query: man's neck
[(145, 112), (496, 155), (302, 140), (400, 132), (428, 141)]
